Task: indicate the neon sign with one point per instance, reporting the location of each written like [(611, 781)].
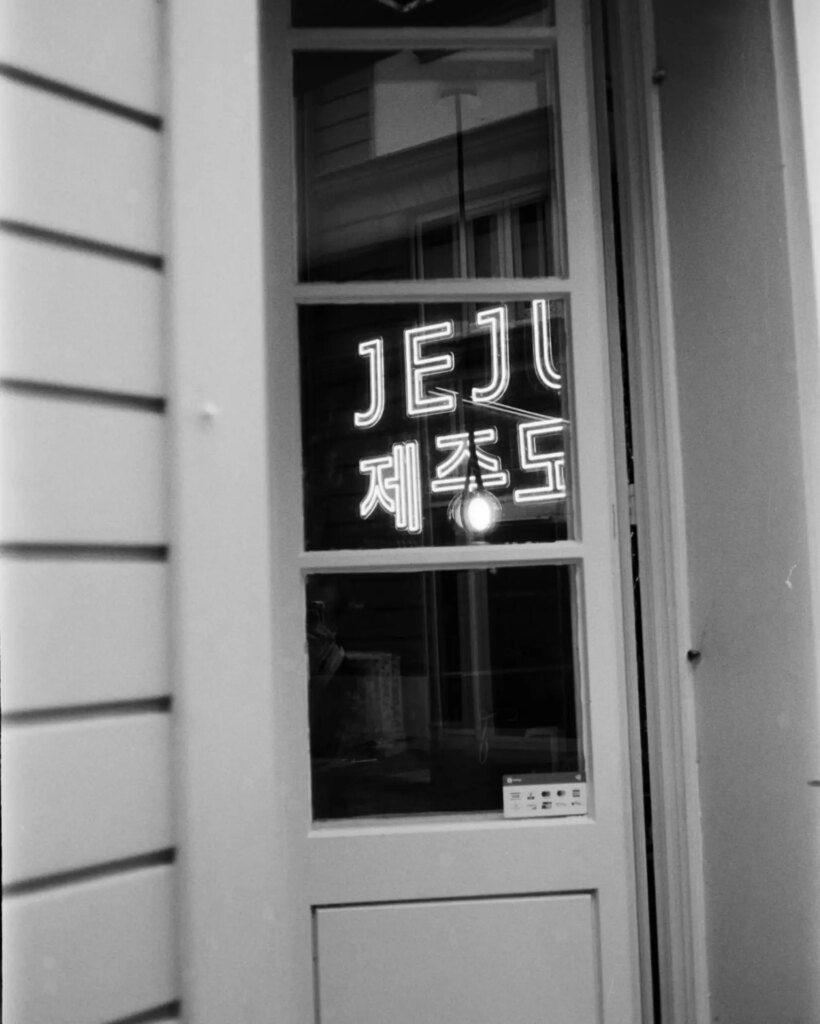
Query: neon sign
[(500, 348), (418, 366), (395, 486), (374, 349), (542, 344), (394, 480), (446, 480), (552, 463)]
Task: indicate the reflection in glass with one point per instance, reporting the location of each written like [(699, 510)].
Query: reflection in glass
[(400, 13), (429, 164), (407, 407), (427, 687)]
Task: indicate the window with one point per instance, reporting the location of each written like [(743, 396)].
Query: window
[(443, 563)]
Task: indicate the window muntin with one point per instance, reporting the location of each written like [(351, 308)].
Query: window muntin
[(406, 408), (427, 687), (413, 164), (409, 13)]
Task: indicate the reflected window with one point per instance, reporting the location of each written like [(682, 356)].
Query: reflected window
[(429, 164), (427, 687)]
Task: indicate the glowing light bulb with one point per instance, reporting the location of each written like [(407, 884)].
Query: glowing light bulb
[(475, 513)]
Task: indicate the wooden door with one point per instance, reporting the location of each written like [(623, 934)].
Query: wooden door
[(452, 755)]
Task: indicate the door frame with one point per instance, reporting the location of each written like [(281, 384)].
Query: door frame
[(231, 870), (657, 511)]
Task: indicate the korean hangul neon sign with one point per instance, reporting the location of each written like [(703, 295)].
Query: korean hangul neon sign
[(395, 486), (394, 479)]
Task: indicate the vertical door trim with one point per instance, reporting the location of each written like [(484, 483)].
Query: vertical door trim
[(659, 511), (622, 516), (226, 793)]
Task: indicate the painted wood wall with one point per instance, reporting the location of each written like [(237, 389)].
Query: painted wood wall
[(88, 843), (747, 359)]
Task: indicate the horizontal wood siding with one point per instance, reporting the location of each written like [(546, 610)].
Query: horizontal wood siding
[(84, 792), (341, 120), (78, 170), (89, 876), (90, 952), (79, 319), (108, 49), (106, 625), (80, 473)]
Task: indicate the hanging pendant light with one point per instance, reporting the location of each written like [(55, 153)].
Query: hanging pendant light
[(474, 510)]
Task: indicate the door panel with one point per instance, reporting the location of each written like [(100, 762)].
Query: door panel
[(484, 961)]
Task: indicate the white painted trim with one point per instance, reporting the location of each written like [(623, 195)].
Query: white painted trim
[(623, 517), (795, 39), (476, 289), (803, 20), (456, 557), (229, 864), (661, 525), (294, 922)]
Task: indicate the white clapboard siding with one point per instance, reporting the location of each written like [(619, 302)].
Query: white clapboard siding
[(109, 49), (79, 319), (82, 793), (72, 472), (83, 632), (71, 168), (91, 952)]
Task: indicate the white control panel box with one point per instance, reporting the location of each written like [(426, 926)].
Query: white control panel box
[(544, 796)]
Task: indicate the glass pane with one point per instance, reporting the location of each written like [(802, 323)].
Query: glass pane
[(429, 164), (398, 13), (417, 418), (426, 688)]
